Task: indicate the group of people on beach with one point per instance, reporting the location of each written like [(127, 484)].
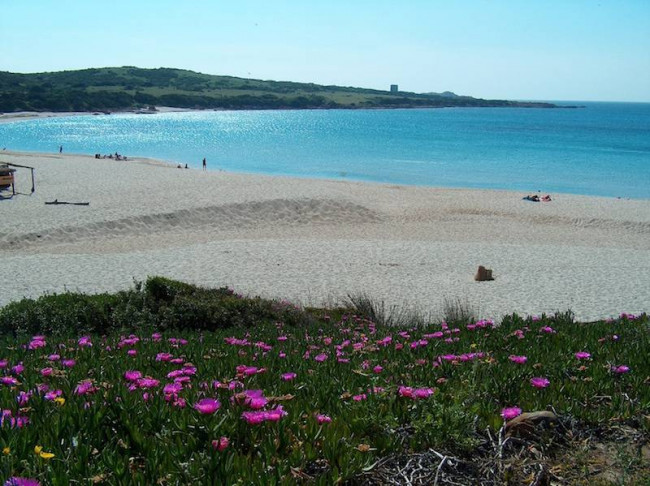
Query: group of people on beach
[(536, 198), (111, 156)]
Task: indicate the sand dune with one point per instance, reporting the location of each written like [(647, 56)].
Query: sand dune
[(258, 214), (312, 241)]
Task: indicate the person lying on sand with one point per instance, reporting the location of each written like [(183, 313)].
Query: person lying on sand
[(533, 197)]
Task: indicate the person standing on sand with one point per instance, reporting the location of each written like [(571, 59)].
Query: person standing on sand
[(60, 149), (204, 164)]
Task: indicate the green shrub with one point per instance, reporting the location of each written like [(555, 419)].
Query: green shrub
[(159, 303)]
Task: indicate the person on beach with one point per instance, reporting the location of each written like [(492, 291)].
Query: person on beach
[(204, 164), (60, 149)]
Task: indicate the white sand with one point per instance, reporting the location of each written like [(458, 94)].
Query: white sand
[(315, 241)]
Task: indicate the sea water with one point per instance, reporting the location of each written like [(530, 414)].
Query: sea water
[(601, 149)]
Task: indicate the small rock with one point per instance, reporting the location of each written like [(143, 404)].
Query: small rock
[(483, 274)]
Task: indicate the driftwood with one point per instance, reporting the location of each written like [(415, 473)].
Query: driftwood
[(56, 201), (526, 423)]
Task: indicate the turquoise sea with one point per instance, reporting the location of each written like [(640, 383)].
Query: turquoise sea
[(601, 149)]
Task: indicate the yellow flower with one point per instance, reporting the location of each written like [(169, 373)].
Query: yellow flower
[(38, 449), (46, 455), (6, 451), (59, 400)]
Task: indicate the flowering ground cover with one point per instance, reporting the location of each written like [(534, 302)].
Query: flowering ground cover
[(319, 402)]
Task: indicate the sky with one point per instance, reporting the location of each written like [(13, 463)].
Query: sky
[(579, 50)]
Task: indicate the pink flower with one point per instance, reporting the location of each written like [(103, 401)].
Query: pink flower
[(619, 370), (84, 387), (323, 419), (539, 382), (68, 363), (422, 392), (18, 481), (276, 414), (163, 357), (54, 357), (36, 343), (207, 405), (148, 382), (172, 388), (582, 355), (405, 391), (132, 352), (47, 372), (53, 394), (358, 398), (547, 330), (518, 359), (18, 369), (8, 380), (377, 369), (253, 418), (85, 341), (510, 412), (321, 357), (221, 444), (132, 375), (288, 376)]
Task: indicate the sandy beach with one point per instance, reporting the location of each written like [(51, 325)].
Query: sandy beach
[(315, 241)]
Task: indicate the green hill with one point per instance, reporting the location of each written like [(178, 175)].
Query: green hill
[(128, 88)]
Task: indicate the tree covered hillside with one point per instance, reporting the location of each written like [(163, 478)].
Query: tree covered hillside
[(128, 88)]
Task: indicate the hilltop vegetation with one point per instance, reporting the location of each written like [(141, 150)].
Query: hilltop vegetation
[(128, 88)]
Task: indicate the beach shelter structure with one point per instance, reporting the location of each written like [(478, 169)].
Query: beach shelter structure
[(7, 178)]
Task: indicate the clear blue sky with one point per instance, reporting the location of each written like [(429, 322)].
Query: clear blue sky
[(518, 49)]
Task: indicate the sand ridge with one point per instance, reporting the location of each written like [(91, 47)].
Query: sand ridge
[(313, 240)]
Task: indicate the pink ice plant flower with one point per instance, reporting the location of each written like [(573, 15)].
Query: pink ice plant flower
[(323, 419), (207, 405), (36, 343), (18, 481), (619, 370), (68, 363), (509, 413), (85, 387), (257, 417), (132, 375), (148, 382), (539, 382), (85, 341), (582, 355), (220, 444), (288, 376), (518, 359), (255, 399), (414, 393), (8, 380)]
